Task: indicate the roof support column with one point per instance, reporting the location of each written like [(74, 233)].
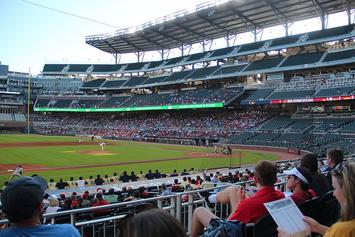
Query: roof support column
[(164, 53), (256, 31), (140, 56), (287, 26), (230, 37), (348, 12), (205, 43), (185, 47), (117, 57), (324, 20)]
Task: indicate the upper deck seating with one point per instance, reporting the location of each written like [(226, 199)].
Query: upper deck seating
[(291, 94), (42, 102), (346, 54), (251, 46), (78, 68), (176, 76), (114, 102), (134, 66), (335, 91), (284, 40), (134, 81), (264, 64), (153, 80), (154, 64), (301, 59), (106, 68), (94, 83), (229, 69), (221, 52), (202, 72), (330, 32), (54, 68), (260, 94), (113, 83), (173, 61), (196, 56), (61, 103)]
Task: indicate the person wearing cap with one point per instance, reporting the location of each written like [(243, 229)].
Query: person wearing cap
[(22, 204), (298, 180)]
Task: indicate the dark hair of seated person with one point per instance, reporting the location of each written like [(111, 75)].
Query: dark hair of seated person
[(152, 223)]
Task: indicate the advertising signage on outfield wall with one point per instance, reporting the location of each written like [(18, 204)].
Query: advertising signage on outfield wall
[(163, 107)]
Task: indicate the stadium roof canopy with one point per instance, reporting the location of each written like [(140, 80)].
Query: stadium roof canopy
[(211, 21)]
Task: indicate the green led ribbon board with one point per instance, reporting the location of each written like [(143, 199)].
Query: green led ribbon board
[(162, 107)]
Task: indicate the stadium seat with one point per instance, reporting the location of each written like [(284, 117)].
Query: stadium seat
[(265, 227), (329, 213)]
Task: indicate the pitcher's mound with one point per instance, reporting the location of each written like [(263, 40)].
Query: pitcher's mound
[(97, 153)]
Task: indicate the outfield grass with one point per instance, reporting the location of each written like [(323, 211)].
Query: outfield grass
[(122, 151)]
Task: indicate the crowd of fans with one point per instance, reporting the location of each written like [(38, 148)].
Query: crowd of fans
[(187, 124), (303, 182)]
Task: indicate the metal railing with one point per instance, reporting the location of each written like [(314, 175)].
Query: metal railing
[(109, 225)]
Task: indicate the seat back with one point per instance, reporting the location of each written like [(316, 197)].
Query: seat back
[(310, 208), (264, 227), (329, 210)]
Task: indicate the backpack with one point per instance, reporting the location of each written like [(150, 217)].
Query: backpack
[(224, 228)]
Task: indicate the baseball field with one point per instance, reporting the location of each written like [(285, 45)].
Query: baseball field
[(64, 157)]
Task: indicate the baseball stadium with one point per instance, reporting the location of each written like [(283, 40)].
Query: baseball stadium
[(115, 141)]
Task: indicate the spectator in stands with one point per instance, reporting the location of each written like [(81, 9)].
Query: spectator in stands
[(152, 223), (53, 207), (298, 180), (149, 175), (107, 179), (114, 178), (90, 180), (45, 201), (111, 197), (133, 177), (66, 205), (185, 172), (22, 204), (81, 183), (165, 190), (245, 209), (85, 199), (99, 180), (74, 200), (207, 183), (124, 178), (100, 202), (143, 192), (334, 157), (51, 184), (61, 184), (175, 186), (174, 174), (343, 178), (319, 182), (72, 183), (157, 174), (184, 183)]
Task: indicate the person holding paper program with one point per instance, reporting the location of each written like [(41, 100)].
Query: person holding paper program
[(343, 180)]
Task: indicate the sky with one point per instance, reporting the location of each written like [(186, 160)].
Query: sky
[(31, 36)]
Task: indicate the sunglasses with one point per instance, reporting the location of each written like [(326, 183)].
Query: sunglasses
[(338, 170)]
